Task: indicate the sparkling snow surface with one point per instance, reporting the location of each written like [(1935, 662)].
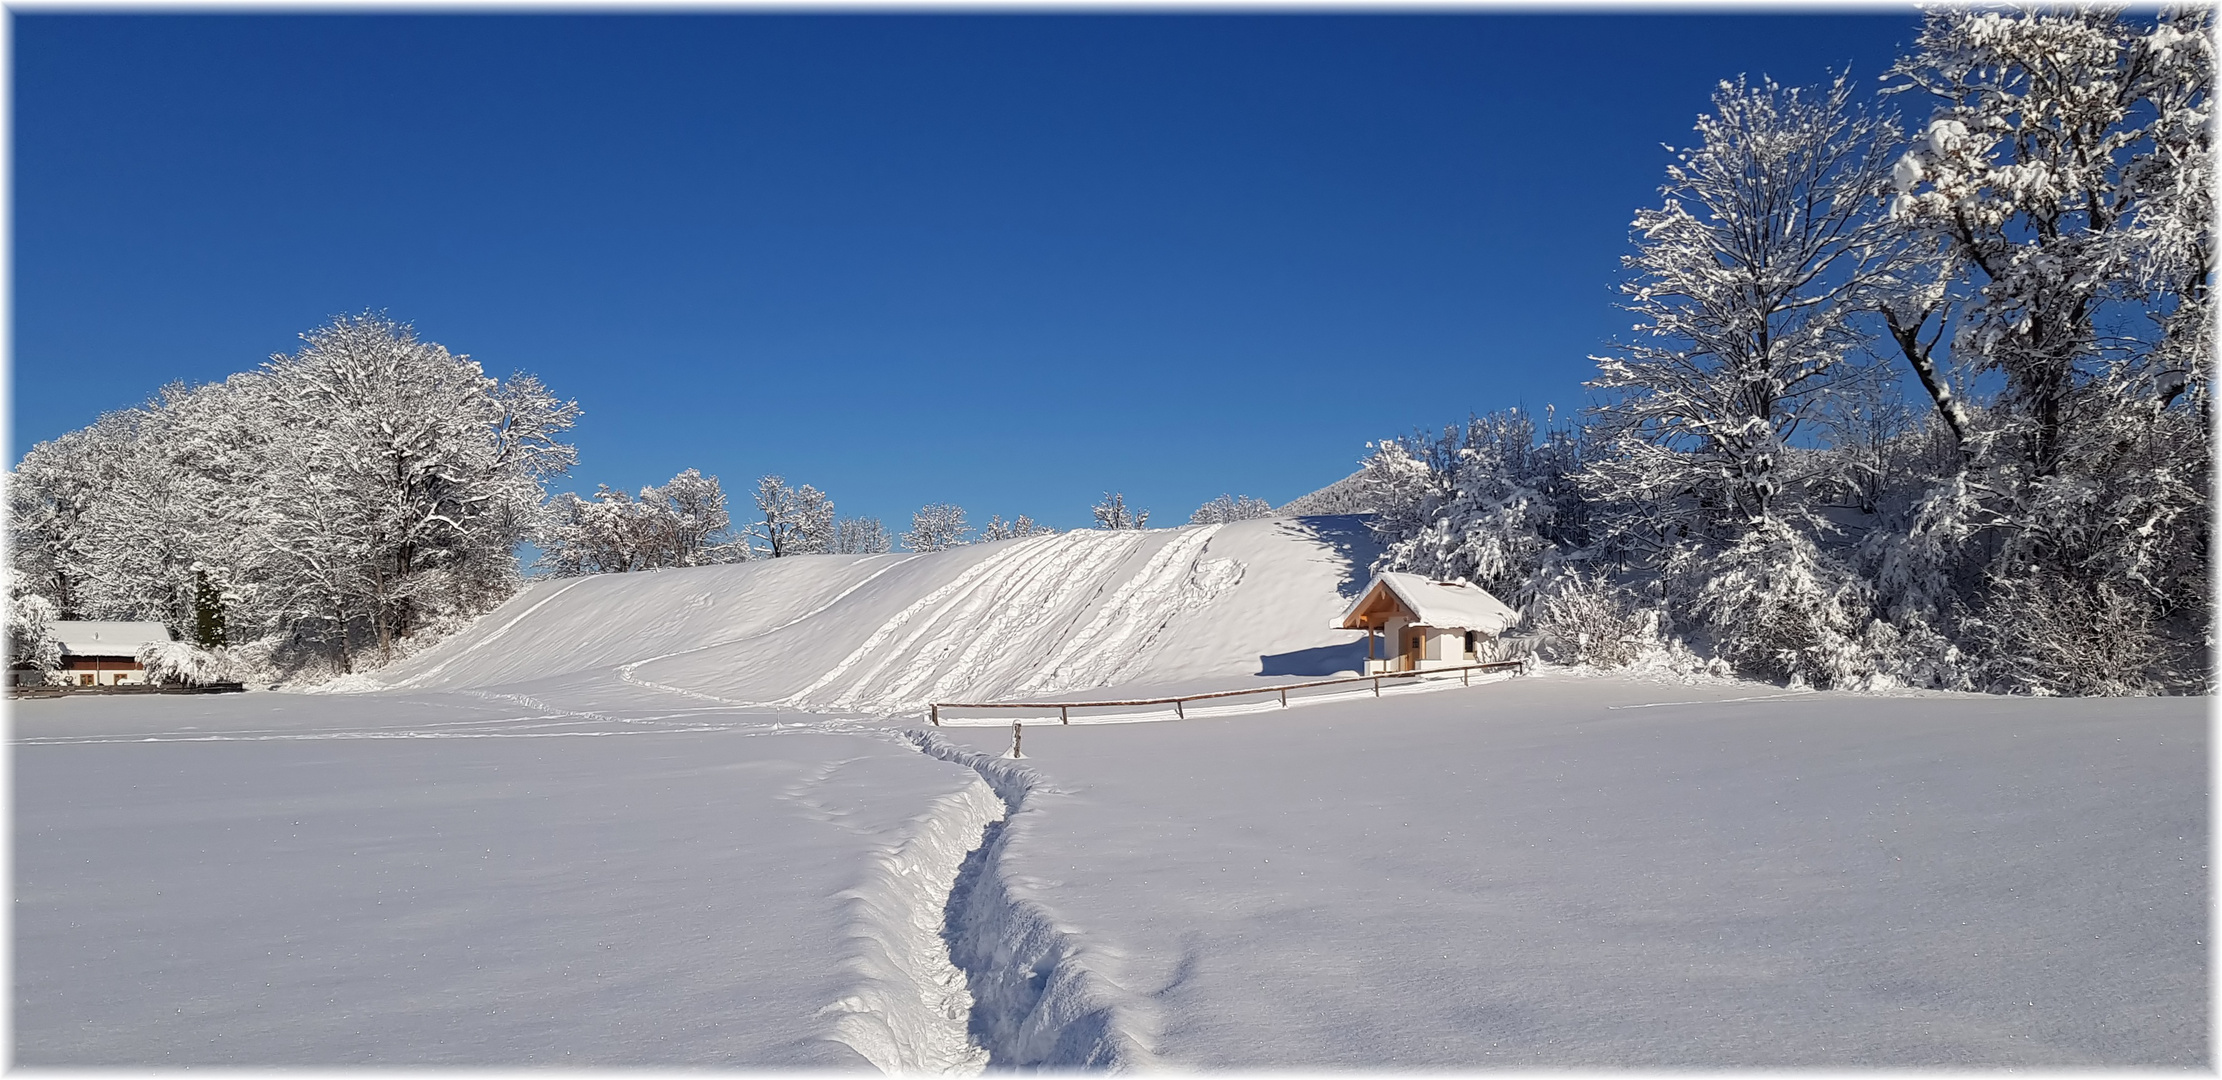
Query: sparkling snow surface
[(693, 818)]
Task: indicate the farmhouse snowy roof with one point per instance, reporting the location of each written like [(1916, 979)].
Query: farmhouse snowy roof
[(94, 638), (1444, 604)]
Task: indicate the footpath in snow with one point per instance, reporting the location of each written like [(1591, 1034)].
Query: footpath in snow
[(693, 818)]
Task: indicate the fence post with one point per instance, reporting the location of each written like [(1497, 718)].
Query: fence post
[(1466, 676), (1377, 686), (1063, 715), (1284, 699), (1016, 734), (1178, 711), (936, 707)]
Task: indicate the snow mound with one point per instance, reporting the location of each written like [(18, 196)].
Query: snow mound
[(882, 635)]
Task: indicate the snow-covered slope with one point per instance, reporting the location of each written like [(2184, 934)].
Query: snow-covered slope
[(885, 634)]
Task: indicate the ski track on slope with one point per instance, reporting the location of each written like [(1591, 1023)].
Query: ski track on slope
[(1122, 630), (1016, 641), (940, 628), (625, 671), (1021, 552), (944, 628), (418, 679), (990, 624)]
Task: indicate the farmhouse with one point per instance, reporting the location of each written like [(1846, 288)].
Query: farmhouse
[(105, 653), (1423, 624)]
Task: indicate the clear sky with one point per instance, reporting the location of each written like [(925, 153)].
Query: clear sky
[(1010, 262)]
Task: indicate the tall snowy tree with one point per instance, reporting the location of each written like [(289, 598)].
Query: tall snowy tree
[(2060, 197), (1749, 284), (793, 521), (1746, 284), (440, 466), (2064, 182)]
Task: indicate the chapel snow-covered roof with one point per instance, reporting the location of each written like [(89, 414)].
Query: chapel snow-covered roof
[(1449, 605), (102, 638)]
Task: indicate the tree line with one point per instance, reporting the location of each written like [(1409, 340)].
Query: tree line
[(1754, 491)]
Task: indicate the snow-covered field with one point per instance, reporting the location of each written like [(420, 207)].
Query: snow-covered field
[(692, 817)]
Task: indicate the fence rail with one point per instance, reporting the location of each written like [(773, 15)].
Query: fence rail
[(1064, 708), (123, 688)]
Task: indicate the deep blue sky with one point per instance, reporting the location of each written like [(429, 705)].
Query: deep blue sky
[(1005, 261)]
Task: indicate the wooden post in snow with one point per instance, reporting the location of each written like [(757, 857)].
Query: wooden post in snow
[(1016, 731), (1064, 715), (935, 713), (1178, 711)]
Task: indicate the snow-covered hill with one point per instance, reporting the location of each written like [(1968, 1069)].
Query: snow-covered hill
[(885, 634)]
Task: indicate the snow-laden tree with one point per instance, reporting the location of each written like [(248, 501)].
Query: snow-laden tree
[(2060, 199), (1228, 508), (356, 492), (31, 640), (701, 529), (439, 466), (1777, 606), (610, 533), (1112, 513), (1485, 501), (49, 493), (999, 529), (792, 520), (1581, 618), (2064, 185), (861, 536), (682, 523), (937, 527), (1746, 283), (182, 663)]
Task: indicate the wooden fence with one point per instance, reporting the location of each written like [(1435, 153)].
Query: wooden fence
[(1064, 708), (125, 688)]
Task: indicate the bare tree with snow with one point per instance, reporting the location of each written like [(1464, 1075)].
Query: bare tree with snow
[(1228, 508), (1112, 513), (794, 520), (937, 527), (1022, 527), (861, 536)]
